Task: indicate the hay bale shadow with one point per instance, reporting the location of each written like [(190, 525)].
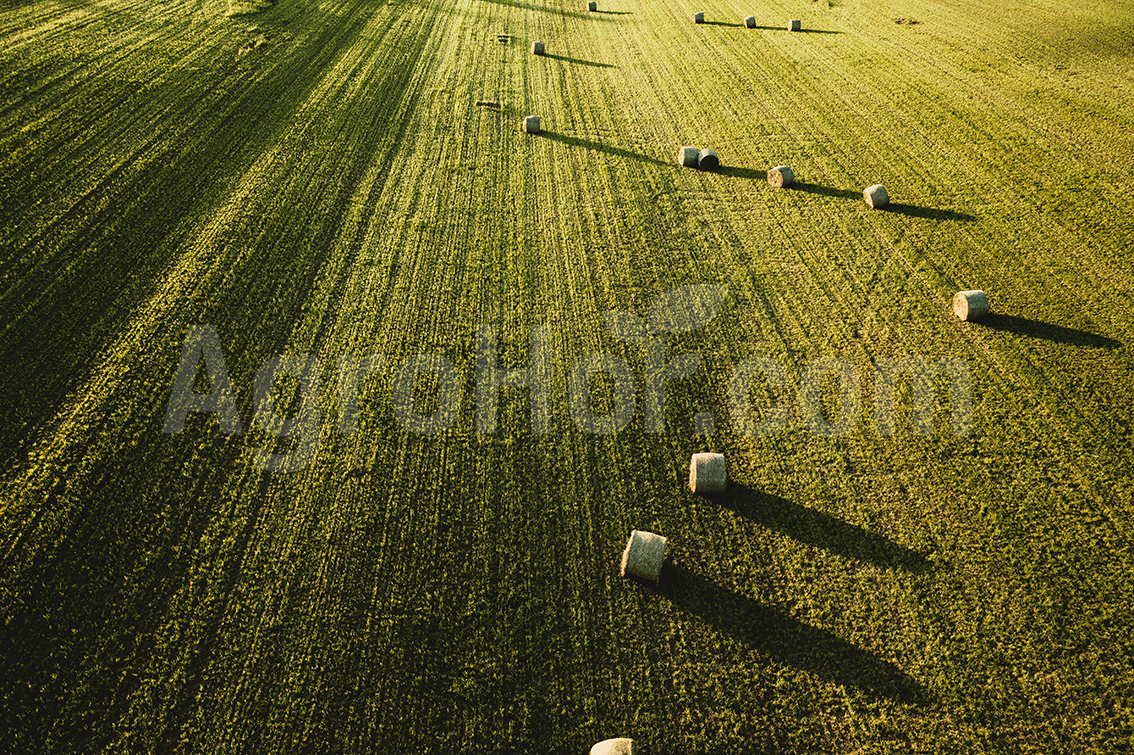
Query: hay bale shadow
[(931, 213), (827, 191), (600, 147), (821, 530), (776, 634), (1046, 331), (746, 173), (579, 62)]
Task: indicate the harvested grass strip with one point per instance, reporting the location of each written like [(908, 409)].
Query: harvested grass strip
[(255, 44), (242, 7)]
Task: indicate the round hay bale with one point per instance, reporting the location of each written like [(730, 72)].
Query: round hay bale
[(643, 556), (687, 157), (592, 6), (707, 473), (876, 196), (781, 176), (531, 124), (970, 305), (750, 22), (698, 18), (619, 746), (794, 25), (537, 48), (707, 160)]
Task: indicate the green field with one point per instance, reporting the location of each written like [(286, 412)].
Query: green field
[(349, 178)]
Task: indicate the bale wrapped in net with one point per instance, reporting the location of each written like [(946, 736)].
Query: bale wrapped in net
[(781, 176), (618, 746), (707, 473), (643, 556), (970, 305), (875, 196)]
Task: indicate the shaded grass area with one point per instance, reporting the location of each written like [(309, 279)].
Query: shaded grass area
[(1047, 331), (821, 530), (787, 639), (596, 146), (577, 61), (73, 269)]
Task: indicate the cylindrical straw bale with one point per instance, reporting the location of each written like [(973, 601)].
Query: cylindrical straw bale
[(750, 22), (537, 48), (699, 18), (643, 556), (592, 6), (707, 160), (876, 196), (793, 25), (781, 176), (970, 305), (707, 473), (619, 746), (687, 157), (531, 124)]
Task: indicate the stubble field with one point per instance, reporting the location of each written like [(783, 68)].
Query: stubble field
[(346, 179)]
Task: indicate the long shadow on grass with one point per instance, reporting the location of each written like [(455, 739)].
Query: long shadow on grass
[(820, 530), (1046, 330), (544, 9), (931, 213), (578, 61), (785, 638), (827, 191), (762, 175), (600, 147)]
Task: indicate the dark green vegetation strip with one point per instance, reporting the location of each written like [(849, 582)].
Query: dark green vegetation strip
[(320, 178)]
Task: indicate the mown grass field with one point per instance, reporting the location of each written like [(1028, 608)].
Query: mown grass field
[(319, 178)]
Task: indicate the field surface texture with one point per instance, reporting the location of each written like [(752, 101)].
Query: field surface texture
[(424, 556)]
